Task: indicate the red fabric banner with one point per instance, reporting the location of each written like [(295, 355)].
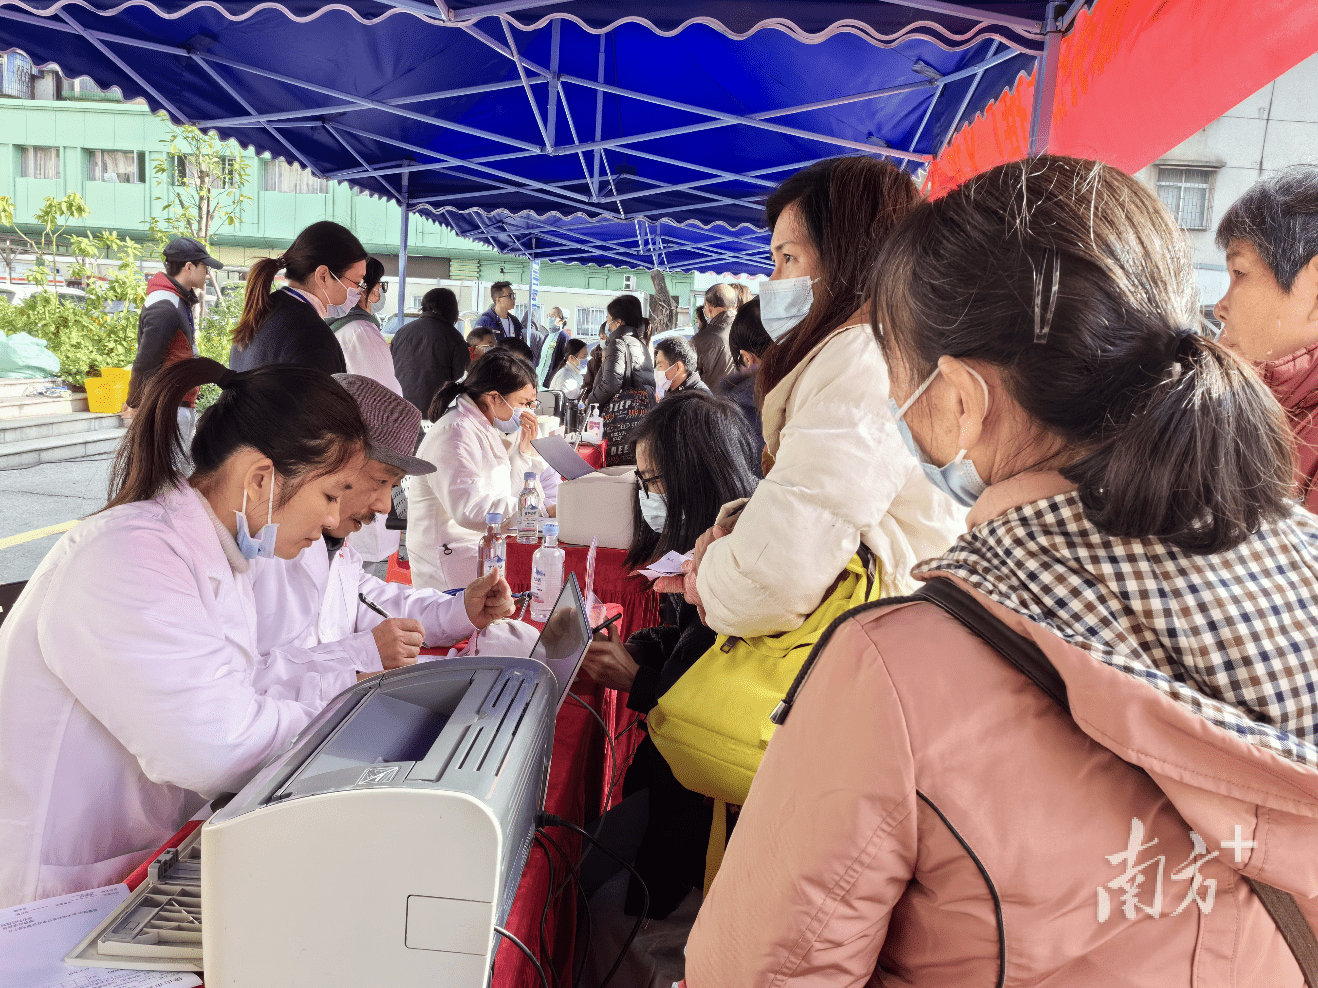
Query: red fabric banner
[(1137, 77)]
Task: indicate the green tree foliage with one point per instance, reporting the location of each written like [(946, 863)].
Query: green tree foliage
[(201, 185), (91, 333), (54, 216)]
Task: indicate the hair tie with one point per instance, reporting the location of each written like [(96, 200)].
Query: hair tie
[(226, 379), (281, 261), (1184, 345)]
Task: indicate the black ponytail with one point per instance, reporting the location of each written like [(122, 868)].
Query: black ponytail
[(299, 417), (1201, 458), (498, 370), (1073, 281)]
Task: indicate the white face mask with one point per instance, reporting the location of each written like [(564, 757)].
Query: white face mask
[(784, 303), (354, 296), (662, 383)]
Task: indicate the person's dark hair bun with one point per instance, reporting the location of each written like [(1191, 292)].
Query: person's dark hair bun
[(1169, 436)]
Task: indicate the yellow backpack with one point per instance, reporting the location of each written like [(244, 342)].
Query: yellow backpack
[(712, 726)]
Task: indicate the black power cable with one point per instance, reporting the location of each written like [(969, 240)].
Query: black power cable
[(613, 751), (550, 893), (544, 981), (550, 820), (572, 877)]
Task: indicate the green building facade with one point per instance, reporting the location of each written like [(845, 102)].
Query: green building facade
[(83, 140)]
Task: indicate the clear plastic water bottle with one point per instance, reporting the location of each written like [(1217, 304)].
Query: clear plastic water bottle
[(493, 551), (528, 511), (546, 575), (594, 425)]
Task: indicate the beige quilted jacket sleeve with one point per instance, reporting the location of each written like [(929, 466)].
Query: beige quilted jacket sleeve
[(841, 474)]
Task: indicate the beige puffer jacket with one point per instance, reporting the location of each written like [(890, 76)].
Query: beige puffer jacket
[(841, 475)]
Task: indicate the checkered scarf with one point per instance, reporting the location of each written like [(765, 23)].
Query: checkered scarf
[(1231, 636)]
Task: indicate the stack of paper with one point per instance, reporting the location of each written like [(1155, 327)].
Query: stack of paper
[(667, 565), (35, 937)]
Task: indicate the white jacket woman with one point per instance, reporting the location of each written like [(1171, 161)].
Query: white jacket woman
[(129, 667), (475, 465), (837, 473)]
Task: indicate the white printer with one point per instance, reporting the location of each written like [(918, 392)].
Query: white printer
[(388, 842)]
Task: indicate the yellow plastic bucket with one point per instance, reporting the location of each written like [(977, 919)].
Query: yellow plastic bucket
[(117, 374), (105, 395)]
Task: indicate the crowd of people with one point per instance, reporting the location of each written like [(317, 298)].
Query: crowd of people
[(1083, 511)]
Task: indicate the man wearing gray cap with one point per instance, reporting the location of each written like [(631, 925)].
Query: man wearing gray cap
[(165, 333), (310, 618)]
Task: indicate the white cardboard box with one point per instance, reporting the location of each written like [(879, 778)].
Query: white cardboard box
[(599, 505)]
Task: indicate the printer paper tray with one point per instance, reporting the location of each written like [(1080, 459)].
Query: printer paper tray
[(158, 927)]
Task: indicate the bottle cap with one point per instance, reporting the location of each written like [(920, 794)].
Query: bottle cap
[(551, 529), (529, 475), (494, 518)]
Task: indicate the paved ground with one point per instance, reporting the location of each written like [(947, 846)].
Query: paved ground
[(34, 497)]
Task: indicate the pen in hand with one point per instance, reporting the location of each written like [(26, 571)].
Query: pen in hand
[(372, 605)]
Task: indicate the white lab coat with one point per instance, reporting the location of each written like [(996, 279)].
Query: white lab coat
[(308, 614), (130, 693), (474, 468), (366, 352)]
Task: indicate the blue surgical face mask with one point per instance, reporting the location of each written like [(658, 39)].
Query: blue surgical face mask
[(512, 425), (262, 545), (784, 303), (654, 509), (959, 480)]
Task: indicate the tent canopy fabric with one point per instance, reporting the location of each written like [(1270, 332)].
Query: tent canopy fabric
[(638, 243), (670, 113)]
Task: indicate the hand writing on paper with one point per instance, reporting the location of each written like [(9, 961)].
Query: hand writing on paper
[(399, 641), (691, 568), (610, 662)]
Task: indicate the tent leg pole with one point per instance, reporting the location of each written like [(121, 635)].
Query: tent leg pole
[(1045, 86), (402, 257)]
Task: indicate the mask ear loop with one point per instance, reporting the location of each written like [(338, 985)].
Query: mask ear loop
[(983, 384), (270, 505), (918, 391)]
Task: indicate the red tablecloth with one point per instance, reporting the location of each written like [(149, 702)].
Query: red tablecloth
[(574, 794)]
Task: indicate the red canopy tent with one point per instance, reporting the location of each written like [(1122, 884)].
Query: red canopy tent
[(1133, 78)]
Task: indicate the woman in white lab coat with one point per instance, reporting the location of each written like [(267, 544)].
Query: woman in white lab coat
[(127, 665), (481, 439)]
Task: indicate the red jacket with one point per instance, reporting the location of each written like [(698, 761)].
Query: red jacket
[(1294, 382), (165, 336)]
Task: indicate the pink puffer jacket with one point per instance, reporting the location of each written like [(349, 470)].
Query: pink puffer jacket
[(928, 817)]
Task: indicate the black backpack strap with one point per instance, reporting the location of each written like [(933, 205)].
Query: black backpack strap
[(1026, 656)]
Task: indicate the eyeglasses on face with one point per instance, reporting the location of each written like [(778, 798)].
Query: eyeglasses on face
[(647, 481)]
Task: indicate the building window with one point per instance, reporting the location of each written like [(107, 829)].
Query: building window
[(38, 162), (17, 76), (184, 172), (85, 89), (1187, 192), (127, 167), (588, 320), (280, 176)]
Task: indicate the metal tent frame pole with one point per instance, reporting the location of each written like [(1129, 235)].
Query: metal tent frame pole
[(402, 255), (1045, 84)]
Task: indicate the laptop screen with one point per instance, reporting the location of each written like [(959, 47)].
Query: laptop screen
[(563, 643)]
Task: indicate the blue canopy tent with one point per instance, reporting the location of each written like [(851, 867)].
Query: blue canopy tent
[(623, 129), (639, 243)]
